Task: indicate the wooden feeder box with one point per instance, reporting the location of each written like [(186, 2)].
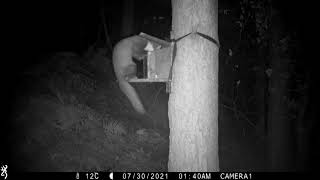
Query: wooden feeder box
[(155, 65)]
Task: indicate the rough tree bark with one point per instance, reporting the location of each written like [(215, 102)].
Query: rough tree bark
[(193, 102)]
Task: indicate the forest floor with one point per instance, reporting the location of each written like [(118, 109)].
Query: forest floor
[(67, 119)]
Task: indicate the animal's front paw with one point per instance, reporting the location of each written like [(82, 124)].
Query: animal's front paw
[(128, 77)]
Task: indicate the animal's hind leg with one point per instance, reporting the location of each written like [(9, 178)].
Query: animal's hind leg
[(132, 95)]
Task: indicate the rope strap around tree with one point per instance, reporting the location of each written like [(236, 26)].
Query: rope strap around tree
[(209, 38)]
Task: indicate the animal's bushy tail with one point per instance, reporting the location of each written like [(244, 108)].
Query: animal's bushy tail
[(132, 95)]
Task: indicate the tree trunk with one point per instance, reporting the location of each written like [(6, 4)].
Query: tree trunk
[(193, 102), (127, 18)]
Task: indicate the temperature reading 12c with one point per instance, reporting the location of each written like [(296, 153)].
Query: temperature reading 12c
[(92, 175)]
